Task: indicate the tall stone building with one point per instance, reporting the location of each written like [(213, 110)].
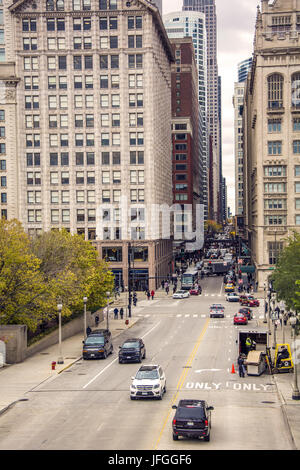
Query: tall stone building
[(86, 125), (208, 7), (272, 134)]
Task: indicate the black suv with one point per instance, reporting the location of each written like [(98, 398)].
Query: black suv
[(97, 344), (132, 350), (192, 419)]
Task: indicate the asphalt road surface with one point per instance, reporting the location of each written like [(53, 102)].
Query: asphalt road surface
[(88, 406)]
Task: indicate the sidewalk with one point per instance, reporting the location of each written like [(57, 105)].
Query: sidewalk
[(17, 380), (285, 381)]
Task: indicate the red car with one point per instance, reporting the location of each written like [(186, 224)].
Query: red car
[(196, 291), (252, 302), (240, 319), (249, 301)]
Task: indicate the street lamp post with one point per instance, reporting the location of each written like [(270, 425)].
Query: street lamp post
[(265, 314), (275, 324), (296, 393), (84, 317), (60, 359), (107, 309)]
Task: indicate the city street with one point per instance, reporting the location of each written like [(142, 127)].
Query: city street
[(88, 405)]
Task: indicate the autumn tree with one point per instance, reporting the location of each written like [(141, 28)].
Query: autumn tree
[(23, 294), (287, 274), (71, 268)]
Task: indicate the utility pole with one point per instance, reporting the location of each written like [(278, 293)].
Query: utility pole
[(129, 280)]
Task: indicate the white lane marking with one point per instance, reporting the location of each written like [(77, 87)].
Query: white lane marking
[(186, 316), (179, 315), (221, 288), (116, 359)]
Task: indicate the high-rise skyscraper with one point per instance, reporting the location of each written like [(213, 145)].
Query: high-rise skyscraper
[(208, 7), (192, 24), (238, 99), (243, 68)]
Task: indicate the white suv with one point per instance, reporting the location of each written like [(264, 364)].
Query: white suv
[(150, 381)]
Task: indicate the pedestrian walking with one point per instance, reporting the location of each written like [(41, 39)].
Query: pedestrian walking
[(174, 288), (162, 284), (241, 366), (167, 289), (281, 317), (148, 294), (88, 330), (96, 320), (285, 318), (116, 311), (152, 294), (121, 313)]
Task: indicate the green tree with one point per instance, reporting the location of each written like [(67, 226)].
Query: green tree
[(23, 294), (287, 273), (212, 227), (71, 268)]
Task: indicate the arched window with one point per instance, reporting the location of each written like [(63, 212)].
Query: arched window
[(60, 5), (275, 91), (296, 90), (50, 5)]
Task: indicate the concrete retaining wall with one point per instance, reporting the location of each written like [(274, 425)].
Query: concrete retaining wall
[(15, 337)]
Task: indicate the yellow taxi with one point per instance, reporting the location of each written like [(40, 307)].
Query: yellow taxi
[(229, 287)]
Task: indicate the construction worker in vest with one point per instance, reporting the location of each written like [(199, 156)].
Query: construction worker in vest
[(248, 343)]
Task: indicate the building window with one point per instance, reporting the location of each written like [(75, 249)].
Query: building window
[(274, 171), (296, 147), (296, 124), (274, 125), (275, 220), (274, 249), (275, 147), (296, 90), (275, 91)]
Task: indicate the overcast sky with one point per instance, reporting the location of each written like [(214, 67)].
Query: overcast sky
[(236, 23)]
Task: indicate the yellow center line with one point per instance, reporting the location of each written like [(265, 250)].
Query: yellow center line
[(182, 379)]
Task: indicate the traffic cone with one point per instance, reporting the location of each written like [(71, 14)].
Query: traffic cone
[(233, 369)]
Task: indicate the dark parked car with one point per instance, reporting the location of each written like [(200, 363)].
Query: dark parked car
[(132, 350), (98, 344), (192, 419), (246, 311)]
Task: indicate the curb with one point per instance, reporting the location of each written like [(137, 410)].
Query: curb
[(10, 405), (284, 413)]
